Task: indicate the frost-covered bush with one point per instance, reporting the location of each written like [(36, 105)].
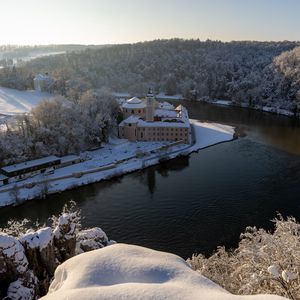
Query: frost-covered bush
[(264, 262)]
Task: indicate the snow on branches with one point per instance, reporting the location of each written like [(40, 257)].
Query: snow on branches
[(264, 262)]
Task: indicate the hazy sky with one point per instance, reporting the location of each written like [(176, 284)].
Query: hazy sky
[(121, 21)]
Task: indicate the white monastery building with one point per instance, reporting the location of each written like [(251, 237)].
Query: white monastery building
[(149, 120)]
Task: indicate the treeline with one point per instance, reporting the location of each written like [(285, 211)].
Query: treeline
[(252, 73), (59, 126)]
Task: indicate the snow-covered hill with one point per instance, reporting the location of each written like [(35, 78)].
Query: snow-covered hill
[(14, 102), (125, 272)]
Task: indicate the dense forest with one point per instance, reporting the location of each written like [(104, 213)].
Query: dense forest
[(250, 73)]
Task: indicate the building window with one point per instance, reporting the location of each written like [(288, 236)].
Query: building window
[(142, 135)]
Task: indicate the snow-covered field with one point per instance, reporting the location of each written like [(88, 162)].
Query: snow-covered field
[(120, 158), (126, 272), (14, 102)]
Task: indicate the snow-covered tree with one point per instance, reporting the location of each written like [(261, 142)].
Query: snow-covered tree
[(264, 262)]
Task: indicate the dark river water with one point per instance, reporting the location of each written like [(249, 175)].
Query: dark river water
[(197, 203)]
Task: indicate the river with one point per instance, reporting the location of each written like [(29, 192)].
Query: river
[(194, 204)]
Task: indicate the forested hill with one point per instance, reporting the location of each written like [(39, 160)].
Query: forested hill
[(255, 73)]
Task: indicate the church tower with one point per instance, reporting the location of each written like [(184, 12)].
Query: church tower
[(150, 106)]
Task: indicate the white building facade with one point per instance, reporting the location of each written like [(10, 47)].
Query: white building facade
[(149, 120)]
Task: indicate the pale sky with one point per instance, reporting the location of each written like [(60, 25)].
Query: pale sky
[(30, 22)]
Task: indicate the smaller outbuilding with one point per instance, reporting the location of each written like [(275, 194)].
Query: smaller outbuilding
[(69, 160), (3, 179), (30, 168)]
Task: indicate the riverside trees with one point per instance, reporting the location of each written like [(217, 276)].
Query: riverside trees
[(59, 127)]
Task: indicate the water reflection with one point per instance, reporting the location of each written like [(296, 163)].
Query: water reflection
[(41, 209)]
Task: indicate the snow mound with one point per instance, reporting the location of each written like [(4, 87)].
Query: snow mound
[(208, 134), (39, 239), (131, 272), (14, 102)]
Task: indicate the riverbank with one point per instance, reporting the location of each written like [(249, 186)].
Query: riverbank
[(113, 160), (268, 109)]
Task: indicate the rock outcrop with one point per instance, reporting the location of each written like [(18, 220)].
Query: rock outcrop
[(28, 262)]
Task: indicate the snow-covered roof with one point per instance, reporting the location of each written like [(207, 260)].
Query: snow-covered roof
[(132, 119), (41, 77), (134, 100), (134, 103), (2, 177), (69, 158), (165, 113), (166, 105), (30, 164), (179, 107), (170, 118), (178, 124)]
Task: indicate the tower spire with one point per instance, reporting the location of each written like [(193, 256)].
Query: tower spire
[(150, 106), (150, 92)]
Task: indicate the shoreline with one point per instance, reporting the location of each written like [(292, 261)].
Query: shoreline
[(228, 103), (205, 135), (264, 109)]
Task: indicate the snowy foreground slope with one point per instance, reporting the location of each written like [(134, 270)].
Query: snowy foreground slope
[(15, 102), (125, 271)]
